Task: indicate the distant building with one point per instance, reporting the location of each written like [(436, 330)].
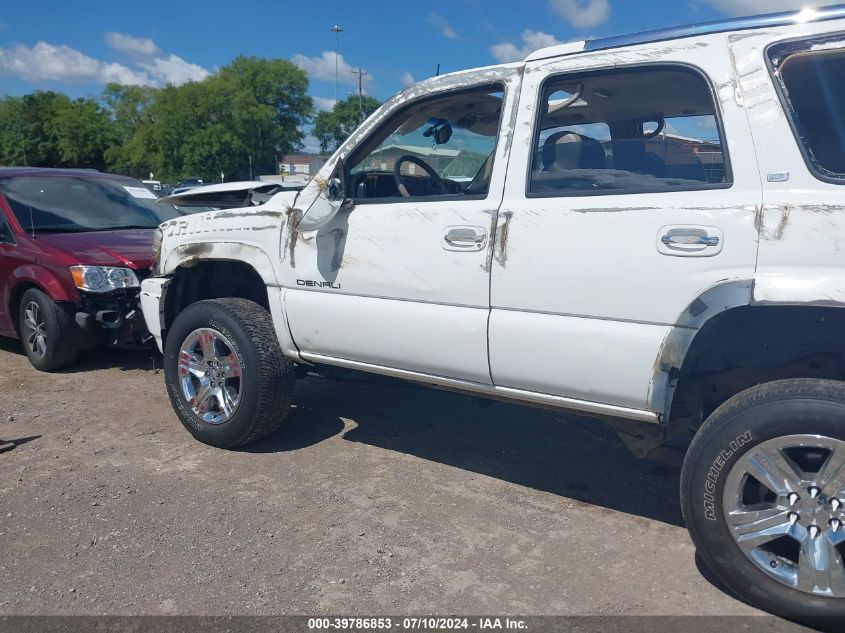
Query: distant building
[(300, 164)]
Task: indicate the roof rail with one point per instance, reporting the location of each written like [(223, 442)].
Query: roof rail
[(719, 26)]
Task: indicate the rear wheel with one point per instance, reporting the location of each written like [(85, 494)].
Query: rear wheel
[(47, 332), (226, 376), (763, 494)]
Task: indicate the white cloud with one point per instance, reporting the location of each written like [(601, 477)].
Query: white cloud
[(323, 67), (135, 46), (163, 68), (751, 7), (584, 14), (531, 41), (324, 104), (50, 62), (408, 79), (440, 23), (150, 66), (173, 70)]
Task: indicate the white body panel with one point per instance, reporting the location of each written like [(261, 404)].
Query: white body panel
[(802, 221), (590, 266)]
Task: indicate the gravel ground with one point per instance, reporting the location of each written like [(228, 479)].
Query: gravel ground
[(378, 497)]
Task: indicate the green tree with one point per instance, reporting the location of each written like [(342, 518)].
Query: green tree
[(333, 127), (128, 108)]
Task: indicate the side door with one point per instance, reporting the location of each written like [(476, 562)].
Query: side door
[(792, 82), (399, 277), (632, 190)]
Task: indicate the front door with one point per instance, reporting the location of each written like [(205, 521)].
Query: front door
[(399, 278)]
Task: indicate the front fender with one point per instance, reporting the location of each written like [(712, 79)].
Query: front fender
[(45, 279), (196, 252)]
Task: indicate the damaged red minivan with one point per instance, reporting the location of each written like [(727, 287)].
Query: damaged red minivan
[(74, 248)]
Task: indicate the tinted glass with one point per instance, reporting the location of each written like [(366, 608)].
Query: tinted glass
[(653, 129), (813, 82), (76, 203)]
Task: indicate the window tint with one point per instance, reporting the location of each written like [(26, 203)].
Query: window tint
[(440, 146), (645, 129), (812, 80)]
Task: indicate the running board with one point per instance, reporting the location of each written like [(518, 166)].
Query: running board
[(492, 391)]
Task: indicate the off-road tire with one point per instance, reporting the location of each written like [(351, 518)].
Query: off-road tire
[(266, 380), (61, 331), (761, 413)]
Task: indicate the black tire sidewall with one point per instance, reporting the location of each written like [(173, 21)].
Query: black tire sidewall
[(712, 456), (207, 315), (60, 348)]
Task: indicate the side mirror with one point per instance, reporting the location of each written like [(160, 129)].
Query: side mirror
[(5, 233), (322, 199)]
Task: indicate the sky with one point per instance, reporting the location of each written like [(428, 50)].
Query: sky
[(77, 47)]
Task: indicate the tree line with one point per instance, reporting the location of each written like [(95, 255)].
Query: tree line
[(251, 111)]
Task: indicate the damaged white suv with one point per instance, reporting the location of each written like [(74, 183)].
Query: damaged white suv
[(646, 229)]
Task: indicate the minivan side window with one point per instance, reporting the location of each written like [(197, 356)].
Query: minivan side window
[(810, 77), (635, 130)]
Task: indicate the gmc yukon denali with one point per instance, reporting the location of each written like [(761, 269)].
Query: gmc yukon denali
[(645, 229)]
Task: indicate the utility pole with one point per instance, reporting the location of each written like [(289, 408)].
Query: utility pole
[(337, 30), (360, 72), (250, 167)]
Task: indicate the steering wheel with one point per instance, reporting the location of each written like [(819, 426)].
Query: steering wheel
[(428, 169)]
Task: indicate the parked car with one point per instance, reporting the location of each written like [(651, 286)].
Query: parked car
[(74, 247), (155, 185), (651, 236)]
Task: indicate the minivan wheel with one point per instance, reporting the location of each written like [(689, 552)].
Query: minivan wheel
[(226, 376), (763, 496), (47, 332)]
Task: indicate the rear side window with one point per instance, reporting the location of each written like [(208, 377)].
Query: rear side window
[(636, 130), (810, 75)]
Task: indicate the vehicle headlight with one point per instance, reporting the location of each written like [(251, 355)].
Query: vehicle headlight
[(103, 278)]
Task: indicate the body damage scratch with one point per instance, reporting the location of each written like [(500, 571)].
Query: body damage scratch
[(337, 259), (784, 220), (488, 261), (291, 234), (500, 250)]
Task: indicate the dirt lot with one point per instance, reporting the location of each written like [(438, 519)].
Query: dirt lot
[(378, 497)]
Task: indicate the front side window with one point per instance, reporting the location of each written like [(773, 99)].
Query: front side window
[(811, 78), (437, 147), (73, 204), (626, 131)]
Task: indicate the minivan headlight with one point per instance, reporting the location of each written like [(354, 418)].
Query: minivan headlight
[(103, 278)]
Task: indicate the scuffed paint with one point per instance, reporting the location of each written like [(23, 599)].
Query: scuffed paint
[(500, 249)]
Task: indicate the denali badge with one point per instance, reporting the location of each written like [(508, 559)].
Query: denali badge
[(317, 284)]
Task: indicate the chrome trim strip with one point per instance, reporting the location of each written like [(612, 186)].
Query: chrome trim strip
[(785, 18), (508, 393)]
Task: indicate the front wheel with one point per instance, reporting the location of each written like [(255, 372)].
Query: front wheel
[(226, 376), (47, 332), (763, 495)]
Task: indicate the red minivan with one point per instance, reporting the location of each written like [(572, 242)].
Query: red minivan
[(74, 248)]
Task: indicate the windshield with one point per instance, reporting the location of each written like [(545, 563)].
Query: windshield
[(65, 204)]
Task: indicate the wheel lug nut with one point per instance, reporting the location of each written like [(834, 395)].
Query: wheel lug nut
[(793, 498), (814, 531), (835, 524), (793, 517), (814, 491)]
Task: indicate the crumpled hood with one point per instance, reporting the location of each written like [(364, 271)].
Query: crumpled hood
[(131, 248)]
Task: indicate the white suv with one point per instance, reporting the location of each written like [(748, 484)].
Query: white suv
[(645, 229)]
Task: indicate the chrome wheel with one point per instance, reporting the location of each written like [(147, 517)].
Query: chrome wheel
[(210, 375), (36, 329), (784, 503)]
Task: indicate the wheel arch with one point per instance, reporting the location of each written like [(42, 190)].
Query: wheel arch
[(726, 341)]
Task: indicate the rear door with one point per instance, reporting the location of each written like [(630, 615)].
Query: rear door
[(632, 189)]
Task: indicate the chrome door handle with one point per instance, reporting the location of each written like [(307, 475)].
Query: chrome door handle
[(690, 239), (464, 238)]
